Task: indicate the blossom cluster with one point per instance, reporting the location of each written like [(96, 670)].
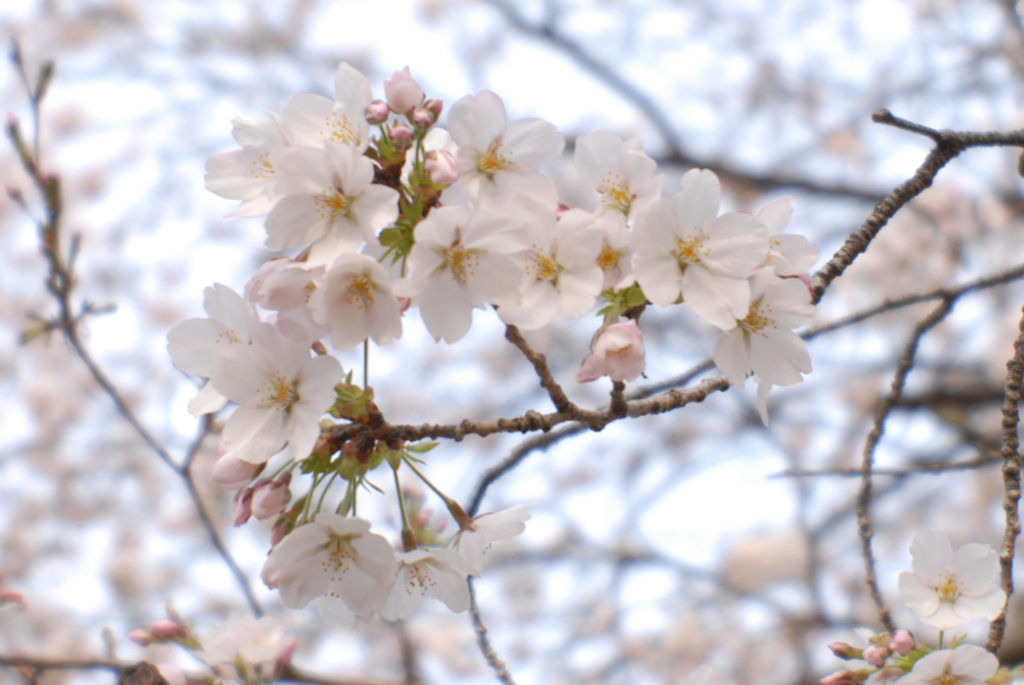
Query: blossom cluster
[(380, 211), (946, 589)]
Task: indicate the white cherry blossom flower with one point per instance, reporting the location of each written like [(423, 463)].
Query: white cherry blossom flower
[(328, 198), (684, 249), (355, 301), (196, 345), (316, 120), (333, 557), (439, 573), (616, 256), (282, 392), (965, 665), (788, 254), (463, 259), (496, 158), (763, 342), (948, 588), (487, 529), (248, 649), (562, 275), (620, 172), (249, 174)]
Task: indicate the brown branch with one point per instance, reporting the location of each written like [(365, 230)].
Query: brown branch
[(496, 664), (948, 144), (906, 363), (61, 282), (980, 461), (540, 365), (1011, 483)]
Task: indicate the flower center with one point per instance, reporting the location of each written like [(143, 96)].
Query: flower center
[(340, 129), (332, 203), (950, 589), (691, 249), (460, 261), (540, 266), (609, 257), (227, 336), (947, 679), (491, 161), (278, 393), (262, 168), (617, 196), (340, 554), (420, 579), (359, 288), (758, 320)]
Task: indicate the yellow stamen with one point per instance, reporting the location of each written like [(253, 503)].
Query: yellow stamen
[(609, 257), (338, 128), (359, 288), (493, 160), (461, 261), (277, 392), (543, 268), (332, 203)]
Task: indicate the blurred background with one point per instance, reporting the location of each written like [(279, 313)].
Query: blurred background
[(695, 546)]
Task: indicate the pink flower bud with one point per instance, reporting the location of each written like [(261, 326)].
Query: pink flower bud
[(269, 499), (13, 192), (435, 106), (902, 642), (140, 637), (838, 678), (616, 352), (845, 651), (166, 629), (231, 473), (243, 505), (402, 91), (441, 167), (422, 117), (403, 137), (377, 112), (876, 655)]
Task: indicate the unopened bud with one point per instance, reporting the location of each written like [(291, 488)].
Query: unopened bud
[(165, 629), (230, 472), (902, 642), (282, 528), (403, 137), (13, 192), (243, 505), (845, 651), (441, 167), (377, 112), (140, 637), (422, 117), (402, 91), (435, 106), (284, 655), (876, 655)]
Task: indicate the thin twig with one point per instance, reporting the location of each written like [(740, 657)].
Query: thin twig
[(906, 363), (500, 670), (540, 366), (1011, 483)]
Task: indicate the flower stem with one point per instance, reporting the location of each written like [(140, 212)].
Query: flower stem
[(408, 537)]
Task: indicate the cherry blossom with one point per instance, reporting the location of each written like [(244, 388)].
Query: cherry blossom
[(684, 249), (472, 544), (763, 342), (562, 275), (496, 158), (402, 91), (439, 573), (788, 254), (316, 120), (196, 345), (965, 665), (616, 255), (249, 174), (334, 557), (282, 393), (463, 259), (948, 588), (617, 352), (355, 301), (328, 198), (620, 172)]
